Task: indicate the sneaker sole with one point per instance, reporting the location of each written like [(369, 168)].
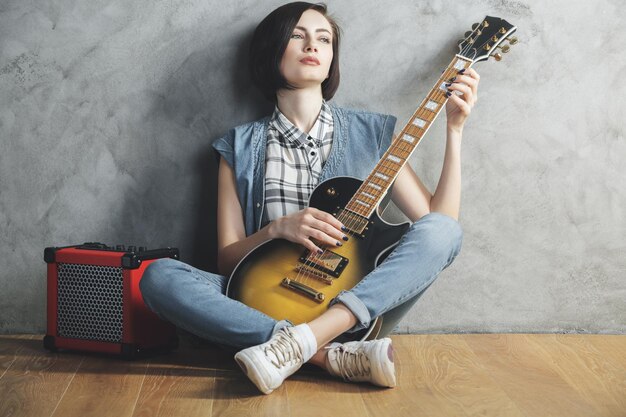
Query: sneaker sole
[(389, 366), (246, 364)]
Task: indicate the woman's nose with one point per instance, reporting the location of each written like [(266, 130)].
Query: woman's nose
[(310, 47)]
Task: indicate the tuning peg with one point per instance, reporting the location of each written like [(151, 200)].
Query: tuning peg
[(469, 32), (460, 41), (504, 48), (497, 56), (512, 40), (475, 25)]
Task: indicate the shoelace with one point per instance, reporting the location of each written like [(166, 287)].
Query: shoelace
[(352, 363), (285, 348)]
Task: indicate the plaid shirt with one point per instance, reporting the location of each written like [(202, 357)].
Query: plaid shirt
[(294, 161)]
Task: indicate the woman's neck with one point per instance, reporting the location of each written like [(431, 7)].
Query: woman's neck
[(301, 106)]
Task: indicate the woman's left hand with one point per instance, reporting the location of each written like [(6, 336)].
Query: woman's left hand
[(460, 106)]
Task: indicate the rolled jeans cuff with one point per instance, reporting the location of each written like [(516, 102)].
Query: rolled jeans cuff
[(279, 325), (356, 306)]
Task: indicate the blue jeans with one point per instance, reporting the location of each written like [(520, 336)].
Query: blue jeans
[(195, 300)]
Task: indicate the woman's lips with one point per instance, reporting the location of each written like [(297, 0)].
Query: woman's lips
[(310, 61)]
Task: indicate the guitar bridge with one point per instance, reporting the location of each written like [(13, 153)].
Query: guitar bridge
[(303, 289)]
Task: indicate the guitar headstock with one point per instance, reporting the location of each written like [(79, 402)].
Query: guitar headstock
[(486, 38)]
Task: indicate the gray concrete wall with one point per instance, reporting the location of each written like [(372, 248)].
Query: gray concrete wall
[(108, 110)]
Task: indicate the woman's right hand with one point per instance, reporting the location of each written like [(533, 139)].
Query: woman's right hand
[(307, 224)]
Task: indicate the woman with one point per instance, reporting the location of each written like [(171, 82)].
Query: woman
[(294, 61)]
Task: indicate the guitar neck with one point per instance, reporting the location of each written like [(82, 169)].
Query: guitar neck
[(370, 194)]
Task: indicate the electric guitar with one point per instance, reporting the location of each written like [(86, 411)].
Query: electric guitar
[(286, 281)]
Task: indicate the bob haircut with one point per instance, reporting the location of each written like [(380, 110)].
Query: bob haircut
[(268, 45)]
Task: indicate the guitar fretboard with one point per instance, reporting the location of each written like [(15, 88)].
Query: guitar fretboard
[(373, 189)]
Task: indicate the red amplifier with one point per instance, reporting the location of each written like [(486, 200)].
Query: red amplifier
[(94, 302)]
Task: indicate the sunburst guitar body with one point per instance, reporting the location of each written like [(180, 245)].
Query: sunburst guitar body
[(285, 281)]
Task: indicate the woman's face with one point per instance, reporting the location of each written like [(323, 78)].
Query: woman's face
[(307, 59)]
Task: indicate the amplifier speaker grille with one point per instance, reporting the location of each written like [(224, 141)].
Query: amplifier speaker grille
[(90, 302)]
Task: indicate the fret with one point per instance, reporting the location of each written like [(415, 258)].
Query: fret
[(377, 181), (431, 105), (352, 215), (393, 158), (390, 165), (408, 138), (381, 176), (459, 65), (413, 131), (387, 168), (374, 186), (419, 122), (403, 152)]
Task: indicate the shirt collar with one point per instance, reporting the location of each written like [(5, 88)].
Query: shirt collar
[(294, 135)]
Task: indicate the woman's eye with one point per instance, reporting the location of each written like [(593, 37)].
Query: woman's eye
[(299, 36)]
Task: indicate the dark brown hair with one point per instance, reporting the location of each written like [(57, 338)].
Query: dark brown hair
[(270, 40)]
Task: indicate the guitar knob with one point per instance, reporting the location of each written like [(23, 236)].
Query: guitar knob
[(497, 56), (512, 40)]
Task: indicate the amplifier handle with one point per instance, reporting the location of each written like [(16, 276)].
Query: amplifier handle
[(133, 260)]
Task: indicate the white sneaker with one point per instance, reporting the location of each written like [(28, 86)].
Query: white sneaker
[(270, 363), (370, 361)]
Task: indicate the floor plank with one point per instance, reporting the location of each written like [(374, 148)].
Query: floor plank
[(587, 370), (35, 380), (523, 373), (103, 387), (180, 383), (10, 349), (234, 395), (452, 372), (314, 394)]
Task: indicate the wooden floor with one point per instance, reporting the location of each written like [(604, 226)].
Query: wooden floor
[(438, 375)]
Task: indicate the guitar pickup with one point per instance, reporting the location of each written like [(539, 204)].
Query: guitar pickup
[(325, 278), (329, 262)]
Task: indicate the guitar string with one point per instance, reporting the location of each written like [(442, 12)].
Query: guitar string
[(310, 261), (469, 45)]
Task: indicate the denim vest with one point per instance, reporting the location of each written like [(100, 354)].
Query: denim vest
[(360, 139)]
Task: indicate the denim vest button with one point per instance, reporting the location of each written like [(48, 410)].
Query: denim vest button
[(258, 204)]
